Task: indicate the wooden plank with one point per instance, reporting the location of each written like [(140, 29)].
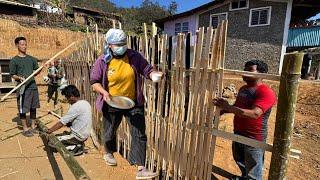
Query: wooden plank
[(203, 104), (172, 131), (146, 40), (219, 64), (194, 100), (185, 115), (179, 117), (161, 96), (242, 139)]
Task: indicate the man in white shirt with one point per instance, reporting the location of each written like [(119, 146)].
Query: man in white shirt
[(78, 119)]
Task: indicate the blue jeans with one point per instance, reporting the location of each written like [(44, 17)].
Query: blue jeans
[(249, 159)]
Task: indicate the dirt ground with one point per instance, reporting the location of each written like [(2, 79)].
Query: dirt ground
[(25, 158), (306, 136)]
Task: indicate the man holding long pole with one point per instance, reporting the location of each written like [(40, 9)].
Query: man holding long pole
[(21, 67)]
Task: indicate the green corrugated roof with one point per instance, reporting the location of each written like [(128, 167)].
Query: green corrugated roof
[(306, 36)]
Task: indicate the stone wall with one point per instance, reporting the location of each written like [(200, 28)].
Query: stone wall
[(246, 43), (22, 19)]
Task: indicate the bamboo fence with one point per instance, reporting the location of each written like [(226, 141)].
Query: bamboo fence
[(182, 123), (179, 112)]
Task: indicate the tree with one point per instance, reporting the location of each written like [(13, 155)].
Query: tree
[(101, 5), (173, 7), (150, 11)]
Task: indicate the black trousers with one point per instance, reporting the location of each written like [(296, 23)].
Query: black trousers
[(53, 89), (135, 118)]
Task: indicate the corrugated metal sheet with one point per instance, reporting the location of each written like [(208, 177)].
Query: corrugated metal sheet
[(300, 37)]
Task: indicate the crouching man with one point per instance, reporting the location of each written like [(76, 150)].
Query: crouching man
[(78, 119)]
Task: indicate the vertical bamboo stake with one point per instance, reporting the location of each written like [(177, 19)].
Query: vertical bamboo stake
[(154, 29), (288, 92), (145, 30), (202, 104), (193, 108), (97, 41), (113, 23), (218, 64), (120, 25)]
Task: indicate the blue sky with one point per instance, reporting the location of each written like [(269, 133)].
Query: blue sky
[(183, 5)]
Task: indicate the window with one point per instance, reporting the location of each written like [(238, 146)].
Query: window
[(239, 4), (217, 18), (185, 27), (181, 27), (177, 28), (260, 16)]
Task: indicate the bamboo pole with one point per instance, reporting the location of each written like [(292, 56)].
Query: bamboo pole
[(195, 101), (215, 58), (120, 25), (74, 166), (288, 92), (37, 71), (154, 29), (145, 30)]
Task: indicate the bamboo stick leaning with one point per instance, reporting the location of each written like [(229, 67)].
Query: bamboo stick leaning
[(37, 71)]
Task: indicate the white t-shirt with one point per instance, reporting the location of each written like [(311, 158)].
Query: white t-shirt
[(80, 114)]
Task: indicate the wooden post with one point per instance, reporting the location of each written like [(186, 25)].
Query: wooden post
[(145, 30), (113, 24), (288, 92), (154, 29), (74, 166), (120, 25), (318, 71), (97, 41)]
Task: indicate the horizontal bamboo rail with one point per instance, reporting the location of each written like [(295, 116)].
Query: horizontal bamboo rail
[(73, 165)]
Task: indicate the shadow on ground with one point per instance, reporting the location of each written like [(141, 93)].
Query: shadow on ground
[(51, 158), (221, 172)]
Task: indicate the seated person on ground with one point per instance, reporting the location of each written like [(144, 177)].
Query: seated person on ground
[(78, 119)]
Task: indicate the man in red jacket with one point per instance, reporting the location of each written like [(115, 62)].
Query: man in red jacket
[(252, 109)]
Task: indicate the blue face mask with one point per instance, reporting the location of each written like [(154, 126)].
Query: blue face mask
[(119, 51)]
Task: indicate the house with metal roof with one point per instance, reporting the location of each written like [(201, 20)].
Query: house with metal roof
[(306, 39), (87, 16), (18, 12), (257, 29)]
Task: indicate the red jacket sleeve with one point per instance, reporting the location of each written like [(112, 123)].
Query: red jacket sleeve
[(265, 98)]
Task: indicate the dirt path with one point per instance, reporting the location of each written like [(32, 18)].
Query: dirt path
[(306, 136), (32, 162)]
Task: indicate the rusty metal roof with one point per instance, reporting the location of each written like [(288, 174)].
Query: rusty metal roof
[(15, 4)]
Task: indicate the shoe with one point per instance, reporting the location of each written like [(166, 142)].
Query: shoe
[(146, 174), (27, 133), (34, 131), (110, 160), (78, 150)]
